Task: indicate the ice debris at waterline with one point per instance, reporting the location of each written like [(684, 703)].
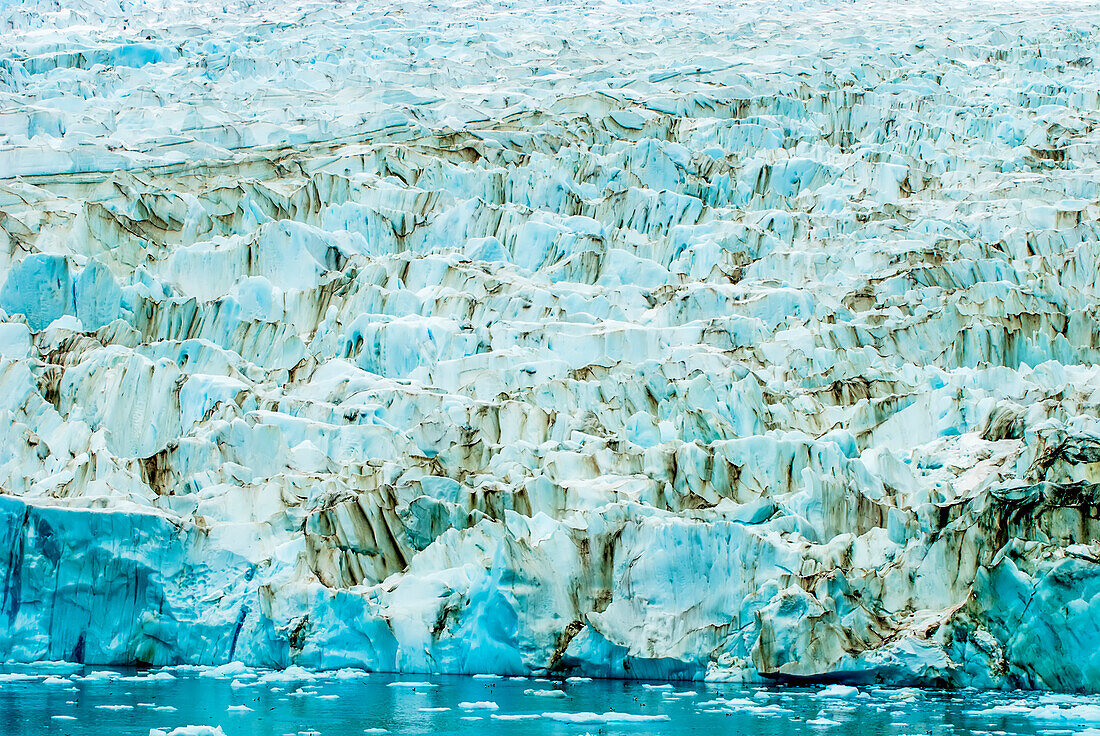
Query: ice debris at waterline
[(742, 341), (198, 702)]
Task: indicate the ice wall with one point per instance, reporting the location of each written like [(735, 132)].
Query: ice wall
[(741, 341)]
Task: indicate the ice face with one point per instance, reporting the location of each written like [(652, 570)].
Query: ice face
[(533, 338)]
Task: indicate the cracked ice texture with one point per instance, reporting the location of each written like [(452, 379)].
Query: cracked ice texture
[(738, 340)]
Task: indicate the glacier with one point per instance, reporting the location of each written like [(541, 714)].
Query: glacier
[(749, 341)]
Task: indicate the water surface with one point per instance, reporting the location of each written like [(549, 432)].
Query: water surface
[(70, 701)]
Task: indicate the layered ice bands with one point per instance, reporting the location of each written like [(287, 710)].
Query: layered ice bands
[(732, 341)]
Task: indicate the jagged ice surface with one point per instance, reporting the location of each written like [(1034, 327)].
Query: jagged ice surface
[(738, 341)]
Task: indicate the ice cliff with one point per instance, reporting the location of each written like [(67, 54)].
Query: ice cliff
[(748, 340)]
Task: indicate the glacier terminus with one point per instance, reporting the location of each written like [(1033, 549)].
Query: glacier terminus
[(737, 341)]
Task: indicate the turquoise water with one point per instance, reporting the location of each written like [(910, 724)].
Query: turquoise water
[(71, 703)]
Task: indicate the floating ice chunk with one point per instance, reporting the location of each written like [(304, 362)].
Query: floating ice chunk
[(63, 718), (1016, 708), (161, 676), (292, 673), (100, 676), (189, 731), (515, 716), (823, 722), (115, 707), (1089, 713), (232, 670), (838, 691), (410, 683), (478, 705), (1064, 699), (546, 693), (349, 673), (487, 676), (238, 708)]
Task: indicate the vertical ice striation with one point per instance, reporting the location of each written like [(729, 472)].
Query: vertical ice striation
[(741, 341)]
